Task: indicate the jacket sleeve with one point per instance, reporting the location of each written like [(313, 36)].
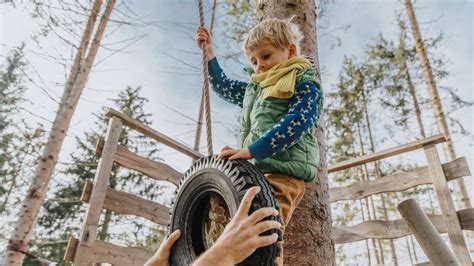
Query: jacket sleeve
[(230, 90), (302, 115)]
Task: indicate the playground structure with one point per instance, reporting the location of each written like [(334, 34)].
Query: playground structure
[(99, 195)]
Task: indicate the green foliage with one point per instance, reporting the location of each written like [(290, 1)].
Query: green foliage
[(240, 19), (20, 144), (11, 95), (397, 65)]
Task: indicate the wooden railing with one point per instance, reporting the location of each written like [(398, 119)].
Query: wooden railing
[(87, 249), (450, 221)]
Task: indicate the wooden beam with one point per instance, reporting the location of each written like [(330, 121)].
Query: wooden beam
[(147, 131), (71, 249), (386, 153), (379, 229), (448, 210), (425, 263), (397, 182), (128, 204), (466, 217), (150, 168), (101, 183), (103, 252), (425, 232)]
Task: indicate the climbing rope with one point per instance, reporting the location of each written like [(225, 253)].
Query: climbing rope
[(205, 94), (217, 218)]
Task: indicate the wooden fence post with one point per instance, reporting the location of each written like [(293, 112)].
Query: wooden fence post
[(450, 217), (101, 183), (425, 232)]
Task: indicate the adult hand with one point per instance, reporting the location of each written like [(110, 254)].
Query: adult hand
[(162, 256), (241, 237), (235, 153), (202, 36)]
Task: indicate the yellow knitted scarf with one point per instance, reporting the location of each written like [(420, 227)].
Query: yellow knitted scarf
[(279, 81)]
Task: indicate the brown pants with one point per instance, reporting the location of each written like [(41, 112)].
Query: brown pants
[(289, 192)]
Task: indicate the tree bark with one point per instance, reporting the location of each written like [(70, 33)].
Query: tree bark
[(462, 197), (309, 233), (75, 84)]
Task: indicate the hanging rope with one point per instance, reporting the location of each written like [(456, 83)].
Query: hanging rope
[(217, 219), (205, 102)]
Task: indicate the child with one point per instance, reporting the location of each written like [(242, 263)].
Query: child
[(281, 107)]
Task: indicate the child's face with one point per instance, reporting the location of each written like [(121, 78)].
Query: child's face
[(265, 55)]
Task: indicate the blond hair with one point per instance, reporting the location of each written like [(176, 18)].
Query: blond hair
[(280, 33)]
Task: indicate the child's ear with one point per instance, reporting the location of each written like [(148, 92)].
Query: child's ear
[(292, 50)]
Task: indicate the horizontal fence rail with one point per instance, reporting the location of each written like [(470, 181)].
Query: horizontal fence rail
[(397, 182), (386, 153), (149, 132), (380, 229), (150, 168), (103, 252), (128, 204)]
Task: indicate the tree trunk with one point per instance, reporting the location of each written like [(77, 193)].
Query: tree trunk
[(372, 216), (462, 196), (75, 84), (378, 175), (409, 251), (366, 241), (309, 233), (416, 105)]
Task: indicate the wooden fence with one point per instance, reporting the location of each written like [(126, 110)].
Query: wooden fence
[(435, 173), (99, 195)]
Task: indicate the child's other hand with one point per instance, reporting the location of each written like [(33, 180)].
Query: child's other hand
[(235, 153), (202, 36)]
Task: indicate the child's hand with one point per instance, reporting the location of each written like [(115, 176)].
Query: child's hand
[(235, 153), (202, 36)]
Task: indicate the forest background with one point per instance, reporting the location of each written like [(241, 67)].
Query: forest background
[(149, 67)]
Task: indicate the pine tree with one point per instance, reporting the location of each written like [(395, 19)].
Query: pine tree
[(74, 86), (342, 116), (11, 96), (19, 142), (347, 121), (63, 213), (462, 196)]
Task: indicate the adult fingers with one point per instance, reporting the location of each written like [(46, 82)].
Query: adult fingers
[(261, 213), (244, 207), (168, 243), (263, 241), (265, 226)]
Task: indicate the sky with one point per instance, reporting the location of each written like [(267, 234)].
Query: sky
[(151, 63)]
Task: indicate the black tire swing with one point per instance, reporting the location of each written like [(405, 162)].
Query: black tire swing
[(212, 185), (227, 180)]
